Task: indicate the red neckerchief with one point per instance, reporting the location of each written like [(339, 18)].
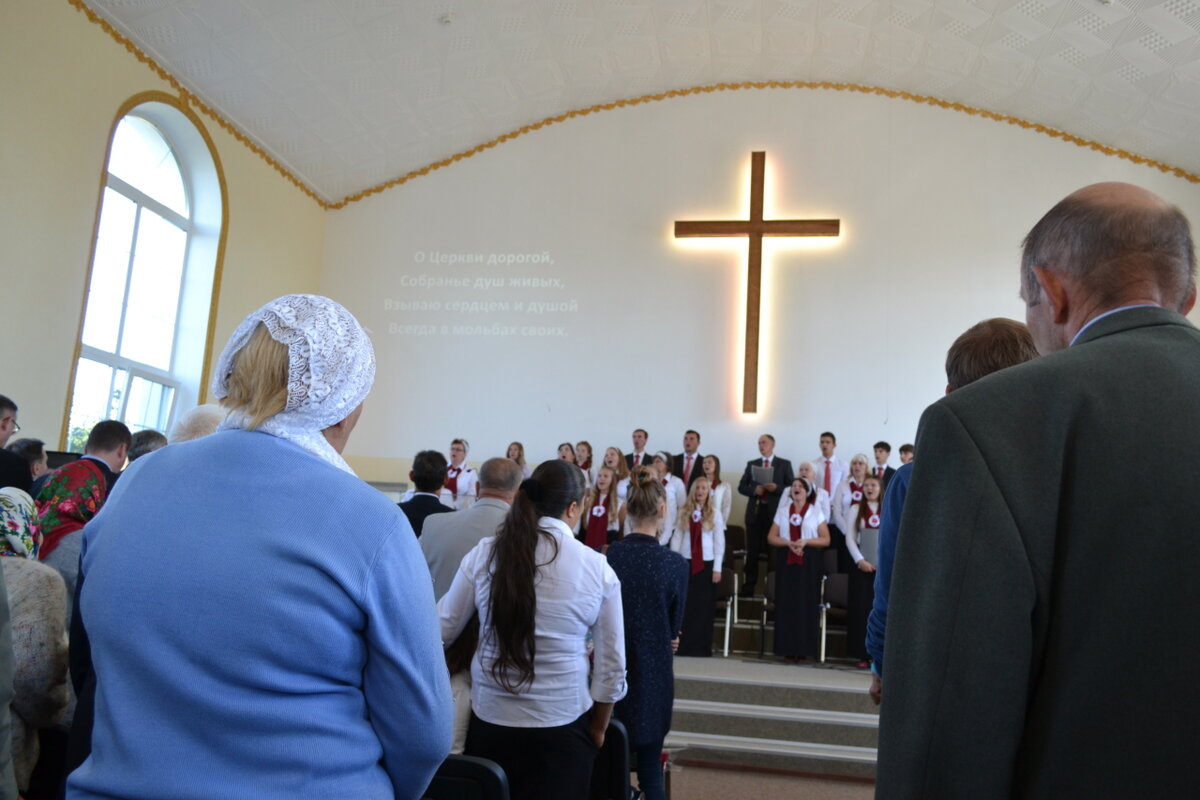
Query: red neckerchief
[(452, 480), (856, 494), (872, 518), (585, 466), (795, 529), (597, 526), (696, 529)]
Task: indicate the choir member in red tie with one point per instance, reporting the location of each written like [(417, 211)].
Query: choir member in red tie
[(798, 529), (881, 470), (700, 538), (462, 484), (862, 540), (639, 457), (603, 512)]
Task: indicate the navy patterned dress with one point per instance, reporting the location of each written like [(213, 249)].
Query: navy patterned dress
[(653, 592)]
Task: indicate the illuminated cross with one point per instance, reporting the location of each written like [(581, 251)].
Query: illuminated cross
[(755, 229)]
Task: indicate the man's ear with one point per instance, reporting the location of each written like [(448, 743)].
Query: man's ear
[(1188, 302), (412, 477), (1054, 292)]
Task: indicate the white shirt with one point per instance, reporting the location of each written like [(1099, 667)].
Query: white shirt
[(722, 497), (623, 490), (809, 529), (843, 498), (823, 503), (712, 542), (839, 471), (468, 489), (676, 498), (577, 592)]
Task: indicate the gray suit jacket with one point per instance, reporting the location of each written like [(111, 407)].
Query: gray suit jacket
[(449, 537), (1041, 639)]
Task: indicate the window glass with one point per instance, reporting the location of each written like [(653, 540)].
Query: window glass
[(143, 159), (106, 294), (149, 335), (148, 404)]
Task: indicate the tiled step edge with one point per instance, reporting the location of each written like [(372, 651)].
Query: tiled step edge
[(742, 744), (811, 715)]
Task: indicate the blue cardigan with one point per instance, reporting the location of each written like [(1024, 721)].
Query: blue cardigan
[(262, 625)]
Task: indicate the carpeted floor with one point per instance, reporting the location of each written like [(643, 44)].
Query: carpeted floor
[(699, 783)]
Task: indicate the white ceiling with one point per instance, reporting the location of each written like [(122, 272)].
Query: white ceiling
[(348, 94)]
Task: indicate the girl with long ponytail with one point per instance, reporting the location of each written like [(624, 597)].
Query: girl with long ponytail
[(539, 592)]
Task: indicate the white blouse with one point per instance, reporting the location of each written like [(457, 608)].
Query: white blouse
[(577, 592), (809, 529), (712, 543), (723, 501), (822, 503)]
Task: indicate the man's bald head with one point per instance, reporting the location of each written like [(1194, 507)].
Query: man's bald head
[(1115, 243), (500, 475)]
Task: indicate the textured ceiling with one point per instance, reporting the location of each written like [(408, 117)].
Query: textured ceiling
[(349, 94)]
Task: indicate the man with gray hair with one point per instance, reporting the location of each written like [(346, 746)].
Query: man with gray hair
[(449, 537), (1045, 576)]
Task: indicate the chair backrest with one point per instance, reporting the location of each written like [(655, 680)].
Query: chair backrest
[(770, 590), (468, 778), (725, 587), (610, 774), (735, 542), (830, 565), (837, 590)]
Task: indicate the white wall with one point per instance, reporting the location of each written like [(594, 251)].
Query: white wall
[(933, 204)]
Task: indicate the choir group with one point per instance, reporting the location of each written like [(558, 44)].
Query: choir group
[(826, 504)]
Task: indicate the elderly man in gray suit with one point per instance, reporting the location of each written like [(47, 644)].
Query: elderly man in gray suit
[(448, 537), (1044, 599)]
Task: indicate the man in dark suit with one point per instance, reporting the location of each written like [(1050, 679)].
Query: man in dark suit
[(688, 465), (881, 470), (428, 474), (1039, 640), (760, 510), (639, 457)]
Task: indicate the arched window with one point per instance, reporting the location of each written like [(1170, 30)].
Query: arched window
[(146, 319)]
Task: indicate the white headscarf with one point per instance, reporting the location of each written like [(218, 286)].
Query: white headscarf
[(331, 366)]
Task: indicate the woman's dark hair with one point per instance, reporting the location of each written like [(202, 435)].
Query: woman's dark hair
[(716, 467), (646, 493), (32, 450), (554, 485), (460, 653)]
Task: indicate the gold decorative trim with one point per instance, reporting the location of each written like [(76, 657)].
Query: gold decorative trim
[(1037, 127), (190, 99), (218, 268), (729, 87)]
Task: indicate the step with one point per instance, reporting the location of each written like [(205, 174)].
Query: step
[(797, 693), (776, 723), (802, 756)]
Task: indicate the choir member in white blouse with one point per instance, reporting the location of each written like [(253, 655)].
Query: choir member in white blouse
[(461, 488), (849, 492), (583, 458), (603, 512), (614, 458), (676, 493), (862, 525), (516, 451), (722, 493), (824, 502), (566, 452), (700, 538)]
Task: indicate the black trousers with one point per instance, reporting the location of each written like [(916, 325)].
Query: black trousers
[(759, 525), (541, 763)]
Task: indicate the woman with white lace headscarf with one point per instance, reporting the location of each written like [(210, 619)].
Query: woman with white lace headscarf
[(262, 621)]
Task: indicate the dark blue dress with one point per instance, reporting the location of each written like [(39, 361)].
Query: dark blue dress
[(653, 593)]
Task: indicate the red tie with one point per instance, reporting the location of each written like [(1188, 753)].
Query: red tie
[(828, 475), (687, 470), (879, 472), (637, 460), (766, 462)]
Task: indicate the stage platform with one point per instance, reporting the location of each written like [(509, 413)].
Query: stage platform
[(816, 719)]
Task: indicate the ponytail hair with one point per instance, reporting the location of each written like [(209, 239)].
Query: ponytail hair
[(645, 495), (552, 488)]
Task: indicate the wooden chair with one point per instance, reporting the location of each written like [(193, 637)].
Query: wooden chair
[(468, 778), (727, 601)]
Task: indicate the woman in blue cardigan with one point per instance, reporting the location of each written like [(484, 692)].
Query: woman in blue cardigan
[(654, 583), (261, 621)]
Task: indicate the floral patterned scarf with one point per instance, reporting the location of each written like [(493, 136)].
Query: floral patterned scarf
[(16, 523), (69, 499)]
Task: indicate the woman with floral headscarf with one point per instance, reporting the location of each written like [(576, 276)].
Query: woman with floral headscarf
[(262, 621)]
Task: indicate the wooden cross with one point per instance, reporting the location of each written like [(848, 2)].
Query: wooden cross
[(755, 229)]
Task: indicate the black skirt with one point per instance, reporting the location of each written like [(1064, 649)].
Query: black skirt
[(797, 601), (698, 613)]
